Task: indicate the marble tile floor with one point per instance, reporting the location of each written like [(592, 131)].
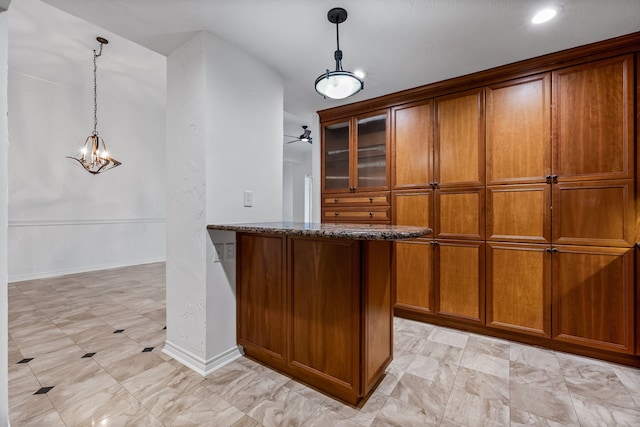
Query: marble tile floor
[(85, 350)]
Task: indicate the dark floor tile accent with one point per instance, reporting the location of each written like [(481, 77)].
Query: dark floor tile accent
[(27, 360), (88, 355), (147, 349), (44, 390), (118, 331)]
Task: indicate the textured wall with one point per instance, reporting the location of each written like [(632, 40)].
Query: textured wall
[(224, 136)]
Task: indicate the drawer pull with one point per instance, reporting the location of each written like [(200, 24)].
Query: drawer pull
[(336, 200), (371, 214), (336, 213), (370, 199)]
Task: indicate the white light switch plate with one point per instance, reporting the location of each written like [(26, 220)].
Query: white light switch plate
[(248, 199)]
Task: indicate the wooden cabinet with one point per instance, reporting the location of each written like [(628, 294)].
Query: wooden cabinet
[(593, 120), (460, 213), (412, 145), (519, 213), (519, 130), (519, 288), (360, 207), (261, 285), (593, 297), (355, 153), (539, 162), (413, 276), (459, 139), (598, 213), (459, 268), (319, 310), (413, 208)]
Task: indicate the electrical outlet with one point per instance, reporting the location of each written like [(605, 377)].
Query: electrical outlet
[(219, 252), (248, 199), (229, 251)]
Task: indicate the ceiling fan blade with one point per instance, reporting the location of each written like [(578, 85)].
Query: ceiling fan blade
[(291, 142)]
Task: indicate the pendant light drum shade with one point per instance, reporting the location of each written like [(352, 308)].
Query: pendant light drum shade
[(338, 84)]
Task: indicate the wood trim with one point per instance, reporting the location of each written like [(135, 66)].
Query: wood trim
[(564, 58)]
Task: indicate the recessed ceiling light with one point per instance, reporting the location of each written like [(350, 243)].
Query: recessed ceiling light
[(360, 74), (544, 15)]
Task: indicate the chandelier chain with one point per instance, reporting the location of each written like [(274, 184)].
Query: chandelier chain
[(95, 89)]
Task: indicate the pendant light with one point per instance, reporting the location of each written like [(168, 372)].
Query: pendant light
[(338, 84), (94, 157)]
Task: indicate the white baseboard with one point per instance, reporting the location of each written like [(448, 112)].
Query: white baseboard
[(82, 269), (199, 365)]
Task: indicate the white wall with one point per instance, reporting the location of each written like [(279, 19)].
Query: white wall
[(62, 219), (4, 150), (296, 166), (216, 96)]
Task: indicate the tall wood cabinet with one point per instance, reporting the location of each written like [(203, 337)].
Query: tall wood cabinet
[(528, 176)]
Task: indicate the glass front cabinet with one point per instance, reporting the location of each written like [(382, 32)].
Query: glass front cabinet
[(355, 153)]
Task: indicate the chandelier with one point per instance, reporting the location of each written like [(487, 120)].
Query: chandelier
[(93, 156)]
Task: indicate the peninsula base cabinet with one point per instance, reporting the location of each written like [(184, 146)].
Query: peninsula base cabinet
[(317, 309)]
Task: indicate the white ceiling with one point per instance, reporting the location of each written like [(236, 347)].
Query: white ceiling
[(400, 44)]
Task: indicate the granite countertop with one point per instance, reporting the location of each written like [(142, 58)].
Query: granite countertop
[(330, 231)]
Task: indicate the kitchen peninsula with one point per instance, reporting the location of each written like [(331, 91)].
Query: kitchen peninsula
[(314, 301)]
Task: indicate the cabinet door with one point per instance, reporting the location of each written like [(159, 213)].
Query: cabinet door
[(459, 139), (262, 296), (325, 313), (460, 214), (413, 276), (372, 136), (413, 208), (593, 120), (519, 130), (597, 213), (460, 280), (336, 156), (519, 213), (593, 297), (412, 142), (519, 288)]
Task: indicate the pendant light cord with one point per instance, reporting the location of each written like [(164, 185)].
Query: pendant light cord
[(95, 89), (338, 53)]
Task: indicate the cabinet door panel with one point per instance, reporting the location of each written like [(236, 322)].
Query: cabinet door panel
[(336, 156), (325, 294), (519, 288), (413, 276), (371, 169), (460, 280), (460, 214), (519, 130), (593, 120), (594, 213), (412, 146), (520, 213), (593, 297), (413, 208), (261, 296), (459, 152)]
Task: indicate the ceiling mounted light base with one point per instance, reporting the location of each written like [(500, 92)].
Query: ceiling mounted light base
[(337, 15), (338, 84)]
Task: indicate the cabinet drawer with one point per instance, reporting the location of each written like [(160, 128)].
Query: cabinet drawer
[(359, 200), (359, 215)]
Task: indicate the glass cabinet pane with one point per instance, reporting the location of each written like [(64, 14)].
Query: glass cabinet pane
[(336, 156), (372, 151)]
